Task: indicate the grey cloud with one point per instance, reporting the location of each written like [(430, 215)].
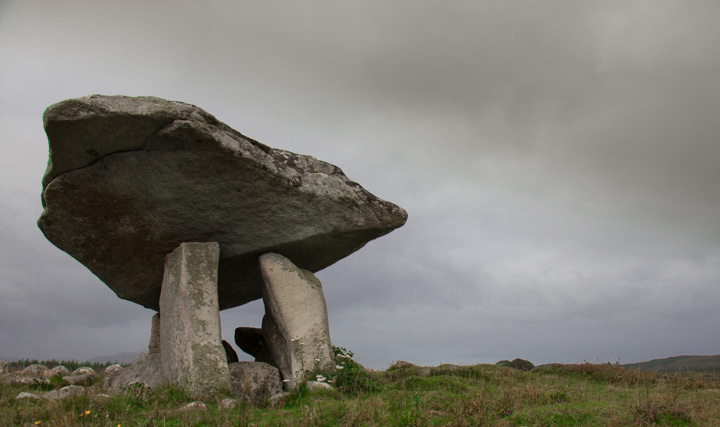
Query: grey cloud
[(558, 161)]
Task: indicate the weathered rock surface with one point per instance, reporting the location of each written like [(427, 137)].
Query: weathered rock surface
[(51, 395), (60, 370), (71, 391), (191, 353), (36, 370), (254, 381), (194, 406), (16, 379), (317, 386), (252, 342), (228, 403), (83, 370), (129, 179), (146, 371), (112, 369), (277, 400), (25, 395), (296, 322), (401, 364), (80, 379)]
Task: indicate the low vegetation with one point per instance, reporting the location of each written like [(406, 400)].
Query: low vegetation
[(408, 395)]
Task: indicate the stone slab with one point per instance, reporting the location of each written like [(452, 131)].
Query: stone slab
[(129, 179), (192, 355), (296, 321)]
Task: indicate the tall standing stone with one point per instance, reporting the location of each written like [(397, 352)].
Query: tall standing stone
[(190, 340), (296, 321)]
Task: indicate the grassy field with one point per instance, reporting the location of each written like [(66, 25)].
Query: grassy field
[(447, 395)]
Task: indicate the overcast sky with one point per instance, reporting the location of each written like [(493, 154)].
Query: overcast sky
[(559, 162)]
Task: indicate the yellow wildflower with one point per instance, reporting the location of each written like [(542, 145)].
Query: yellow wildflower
[(87, 412)]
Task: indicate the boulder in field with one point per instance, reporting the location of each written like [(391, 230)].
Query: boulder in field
[(254, 381), (146, 371), (60, 370), (29, 396), (36, 370)]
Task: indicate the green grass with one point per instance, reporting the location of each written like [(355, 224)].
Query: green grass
[(562, 395)]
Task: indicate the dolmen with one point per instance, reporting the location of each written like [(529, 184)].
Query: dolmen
[(176, 211)]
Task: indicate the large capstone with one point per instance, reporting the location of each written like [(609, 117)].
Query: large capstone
[(130, 179)]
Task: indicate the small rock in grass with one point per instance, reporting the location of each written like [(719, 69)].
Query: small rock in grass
[(60, 370), (25, 395), (36, 371), (146, 371), (277, 399), (83, 371), (51, 395), (401, 364), (81, 379), (317, 385), (254, 381), (112, 369), (71, 391), (196, 405), (228, 403), (18, 380)]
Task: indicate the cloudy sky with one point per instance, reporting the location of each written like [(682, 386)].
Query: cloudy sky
[(559, 162)]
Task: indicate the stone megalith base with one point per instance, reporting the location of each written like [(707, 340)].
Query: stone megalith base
[(254, 381), (192, 355), (146, 371), (296, 321)]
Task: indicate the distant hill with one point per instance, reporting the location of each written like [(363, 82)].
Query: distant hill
[(127, 357), (678, 364)]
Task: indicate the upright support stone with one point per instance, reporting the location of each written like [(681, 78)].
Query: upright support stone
[(190, 340), (154, 345), (296, 321)]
